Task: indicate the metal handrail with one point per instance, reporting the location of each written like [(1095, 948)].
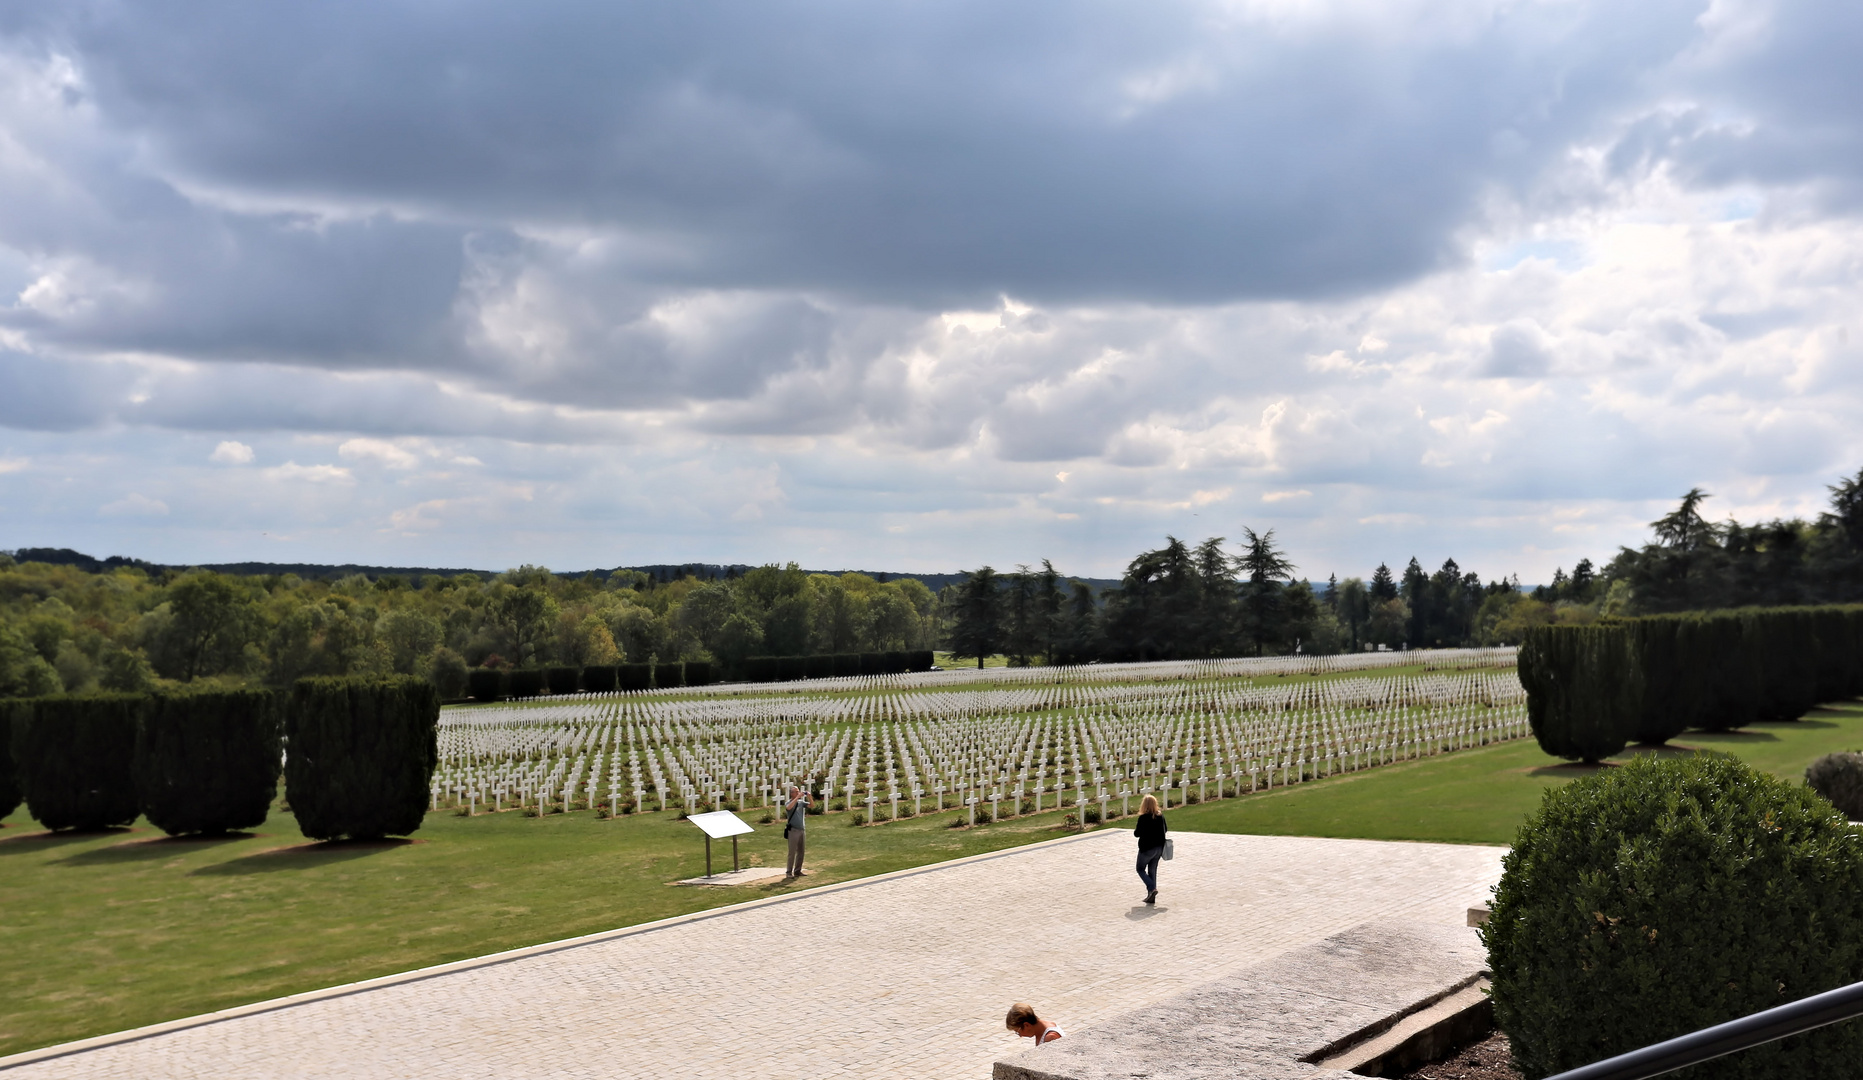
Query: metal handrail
[(1800, 1016)]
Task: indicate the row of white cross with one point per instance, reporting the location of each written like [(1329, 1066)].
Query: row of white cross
[(1035, 748)]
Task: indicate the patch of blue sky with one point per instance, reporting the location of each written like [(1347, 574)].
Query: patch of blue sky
[(1741, 207), (1565, 255)]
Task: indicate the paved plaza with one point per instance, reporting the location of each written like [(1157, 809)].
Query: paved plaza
[(906, 975)]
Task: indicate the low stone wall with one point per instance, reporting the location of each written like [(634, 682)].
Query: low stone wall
[(1274, 1020)]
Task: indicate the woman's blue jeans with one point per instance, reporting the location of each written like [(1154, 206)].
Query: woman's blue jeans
[(1148, 867)]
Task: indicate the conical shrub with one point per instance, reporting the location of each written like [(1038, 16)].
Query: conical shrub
[(360, 754), (76, 759), (208, 761)]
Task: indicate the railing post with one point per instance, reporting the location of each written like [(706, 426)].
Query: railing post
[(1796, 1018)]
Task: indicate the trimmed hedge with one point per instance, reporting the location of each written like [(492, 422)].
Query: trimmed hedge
[(836, 665), (9, 773), (1832, 630), (1655, 677), (667, 676), (1664, 896), (1669, 701), (1727, 673), (634, 676), (598, 680), (524, 682), (1785, 647), (76, 759), (699, 673), (486, 684), (208, 761), (1839, 778), (563, 680), (361, 755), (1583, 691)]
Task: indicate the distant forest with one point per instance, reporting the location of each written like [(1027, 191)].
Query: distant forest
[(78, 624)]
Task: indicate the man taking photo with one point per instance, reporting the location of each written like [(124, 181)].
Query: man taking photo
[(795, 823)]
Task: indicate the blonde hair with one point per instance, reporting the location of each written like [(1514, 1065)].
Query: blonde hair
[(1019, 1014), (1150, 805)]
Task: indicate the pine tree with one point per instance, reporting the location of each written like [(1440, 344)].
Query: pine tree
[(1383, 586), (1049, 603), (1216, 621), (978, 629), (1264, 568)]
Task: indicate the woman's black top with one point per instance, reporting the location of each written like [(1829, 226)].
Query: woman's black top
[(1150, 831)]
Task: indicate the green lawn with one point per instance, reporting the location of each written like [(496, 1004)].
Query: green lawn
[(105, 932), (1481, 796)]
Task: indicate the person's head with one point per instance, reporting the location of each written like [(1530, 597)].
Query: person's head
[(1022, 1019), (1150, 805)]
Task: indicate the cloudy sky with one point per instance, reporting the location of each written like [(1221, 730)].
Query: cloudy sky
[(920, 286)]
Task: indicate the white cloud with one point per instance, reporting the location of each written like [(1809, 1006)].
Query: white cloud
[(12, 464), (379, 451), (134, 505), (230, 452), (315, 474)]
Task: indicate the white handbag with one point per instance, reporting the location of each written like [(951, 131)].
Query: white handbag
[(1170, 849)]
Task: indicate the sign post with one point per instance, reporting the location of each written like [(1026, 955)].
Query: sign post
[(720, 824)]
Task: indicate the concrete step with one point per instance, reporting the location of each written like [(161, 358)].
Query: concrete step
[(1429, 1034)]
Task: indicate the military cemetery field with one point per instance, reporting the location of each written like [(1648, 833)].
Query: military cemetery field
[(114, 930)]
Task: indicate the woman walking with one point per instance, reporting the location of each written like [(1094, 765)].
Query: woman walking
[(1150, 833)]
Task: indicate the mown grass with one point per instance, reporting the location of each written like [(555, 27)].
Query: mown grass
[(1481, 796), (109, 931)]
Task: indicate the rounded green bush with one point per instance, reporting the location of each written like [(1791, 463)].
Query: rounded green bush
[(1839, 778), (1665, 896)]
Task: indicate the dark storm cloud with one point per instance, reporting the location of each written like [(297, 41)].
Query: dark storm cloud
[(922, 153), (1780, 100)]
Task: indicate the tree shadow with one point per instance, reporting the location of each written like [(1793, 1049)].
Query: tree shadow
[(160, 847), (1747, 734), (1571, 768), (1662, 750), (1806, 721), (1846, 710), (302, 856), (40, 841)]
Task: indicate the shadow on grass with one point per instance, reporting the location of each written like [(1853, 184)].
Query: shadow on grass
[(161, 847), (1748, 735), (302, 856), (40, 841), (1571, 769)]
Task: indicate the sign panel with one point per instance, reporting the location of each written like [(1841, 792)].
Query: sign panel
[(720, 823)]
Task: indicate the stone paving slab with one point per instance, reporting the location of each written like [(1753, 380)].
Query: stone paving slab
[(749, 875), (906, 975), (1271, 1020)]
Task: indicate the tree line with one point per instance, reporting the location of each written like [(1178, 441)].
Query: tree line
[(128, 626), (1183, 602), (129, 629)]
